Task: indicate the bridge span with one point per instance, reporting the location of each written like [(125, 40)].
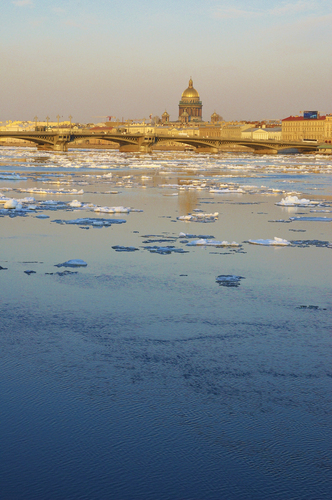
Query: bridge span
[(60, 141)]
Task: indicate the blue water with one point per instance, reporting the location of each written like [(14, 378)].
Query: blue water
[(140, 377)]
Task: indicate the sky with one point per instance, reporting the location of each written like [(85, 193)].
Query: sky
[(249, 60)]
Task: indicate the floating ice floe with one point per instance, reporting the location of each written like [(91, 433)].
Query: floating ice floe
[(275, 242), (169, 186), (229, 280), (167, 239), (12, 204), (311, 219), (199, 217), (212, 243), (314, 243), (63, 273), (105, 176), (28, 199), (227, 191), (50, 202), (200, 236), (281, 220), (7, 176), (50, 191), (321, 211), (312, 308), (91, 222), (42, 216), (164, 250), (75, 204), (17, 204), (73, 263), (292, 201), (119, 248), (116, 210)]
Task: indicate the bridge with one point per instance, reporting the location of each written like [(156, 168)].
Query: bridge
[(60, 141)]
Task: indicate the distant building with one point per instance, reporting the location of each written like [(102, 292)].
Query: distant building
[(233, 131), (262, 133), (184, 118), (299, 128), (215, 118), (190, 103), (209, 129), (165, 117)]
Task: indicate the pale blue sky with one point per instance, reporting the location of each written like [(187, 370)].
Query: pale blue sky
[(249, 60)]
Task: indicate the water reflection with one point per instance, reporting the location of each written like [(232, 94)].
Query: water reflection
[(187, 202)]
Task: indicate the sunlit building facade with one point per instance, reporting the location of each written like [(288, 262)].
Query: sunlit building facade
[(298, 128)]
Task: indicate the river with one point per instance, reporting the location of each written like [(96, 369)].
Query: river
[(185, 352)]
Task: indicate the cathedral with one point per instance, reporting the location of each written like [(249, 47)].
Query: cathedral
[(190, 107)]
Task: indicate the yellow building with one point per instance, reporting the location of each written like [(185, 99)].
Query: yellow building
[(233, 131), (262, 133), (209, 130), (298, 128)]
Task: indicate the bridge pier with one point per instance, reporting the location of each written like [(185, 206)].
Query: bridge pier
[(60, 146), (142, 145)]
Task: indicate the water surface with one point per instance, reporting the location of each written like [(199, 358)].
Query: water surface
[(140, 377)]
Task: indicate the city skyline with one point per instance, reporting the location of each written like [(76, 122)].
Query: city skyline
[(249, 61)]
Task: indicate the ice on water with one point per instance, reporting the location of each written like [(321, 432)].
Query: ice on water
[(275, 242), (90, 221), (229, 280), (188, 235), (311, 219), (291, 201), (212, 243), (12, 204), (75, 204), (199, 217), (120, 248), (116, 210), (227, 191), (167, 250), (12, 176), (60, 191), (73, 263)]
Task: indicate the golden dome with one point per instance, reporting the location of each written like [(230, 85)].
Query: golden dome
[(190, 92)]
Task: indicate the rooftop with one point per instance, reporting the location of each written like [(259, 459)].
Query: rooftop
[(300, 118)]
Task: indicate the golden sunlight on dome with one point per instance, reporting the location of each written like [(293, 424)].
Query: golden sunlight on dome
[(190, 92), (190, 106)]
